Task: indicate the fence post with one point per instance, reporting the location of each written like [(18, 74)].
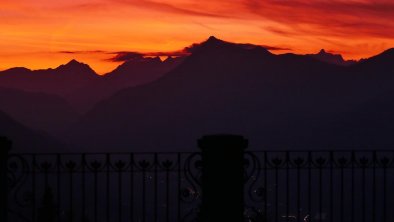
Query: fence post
[(222, 177), (5, 146)]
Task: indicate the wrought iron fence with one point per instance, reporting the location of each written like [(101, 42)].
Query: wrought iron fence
[(301, 186), (334, 186), (103, 187)]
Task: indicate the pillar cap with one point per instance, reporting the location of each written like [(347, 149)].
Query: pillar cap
[(223, 140)]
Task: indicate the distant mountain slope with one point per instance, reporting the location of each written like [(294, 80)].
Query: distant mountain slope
[(80, 85), (137, 71), (63, 80), (381, 64), (141, 70), (227, 88), (38, 111), (368, 125), (26, 140), (336, 59)]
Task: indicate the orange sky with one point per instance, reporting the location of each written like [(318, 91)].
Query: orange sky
[(46, 33)]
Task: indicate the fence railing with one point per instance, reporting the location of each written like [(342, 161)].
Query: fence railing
[(103, 187), (334, 186), (223, 182)]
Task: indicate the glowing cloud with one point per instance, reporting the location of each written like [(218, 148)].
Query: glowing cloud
[(37, 34)]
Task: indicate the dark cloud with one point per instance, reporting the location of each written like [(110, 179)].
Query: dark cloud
[(82, 52), (276, 48), (192, 48), (173, 54), (125, 56), (68, 52)]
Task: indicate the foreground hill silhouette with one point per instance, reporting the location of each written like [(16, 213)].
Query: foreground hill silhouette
[(276, 100), (38, 111), (25, 139)]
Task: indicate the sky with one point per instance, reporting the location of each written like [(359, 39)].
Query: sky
[(46, 33)]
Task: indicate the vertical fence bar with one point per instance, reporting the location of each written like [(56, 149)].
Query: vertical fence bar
[(58, 186), (309, 186), (222, 177), (374, 186), (143, 194), (108, 167), (265, 186), (131, 187), (156, 202), (342, 204), (33, 187), (287, 186), (71, 196), (46, 183), (332, 186), (363, 194), (95, 190), (299, 192), (120, 194), (179, 186), (384, 192), (83, 185), (5, 147), (167, 195), (276, 193), (353, 159), (320, 192)]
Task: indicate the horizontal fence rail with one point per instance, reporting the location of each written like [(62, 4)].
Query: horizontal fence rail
[(296, 186)]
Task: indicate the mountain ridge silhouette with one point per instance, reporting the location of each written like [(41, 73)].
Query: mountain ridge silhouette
[(223, 87), (336, 59), (284, 100)]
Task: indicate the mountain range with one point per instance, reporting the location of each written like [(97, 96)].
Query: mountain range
[(336, 59), (80, 85), (285, 101)]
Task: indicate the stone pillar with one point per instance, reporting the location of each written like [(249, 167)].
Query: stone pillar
[(222, 178), (5, 147)]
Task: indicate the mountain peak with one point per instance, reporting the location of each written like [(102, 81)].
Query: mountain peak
[(213, 41), (331, 58), (76, 69), (322, 51), (213, 38), (73, 62)]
